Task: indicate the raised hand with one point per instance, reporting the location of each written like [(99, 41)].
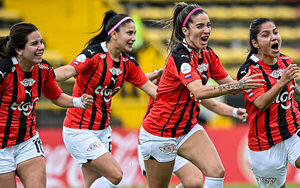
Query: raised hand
[(87, 100)]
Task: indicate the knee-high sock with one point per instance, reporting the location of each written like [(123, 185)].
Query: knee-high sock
[(102, 183), (213, 182)]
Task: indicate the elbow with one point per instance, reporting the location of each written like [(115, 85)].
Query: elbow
[(261, 107)]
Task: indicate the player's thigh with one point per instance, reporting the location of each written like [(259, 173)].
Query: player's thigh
[(8, 180), (158, 173), (200, 150), (190, 175), (32, 169)]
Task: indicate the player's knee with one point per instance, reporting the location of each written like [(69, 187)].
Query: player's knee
[(116, 177), (215, 172), (194, 183)]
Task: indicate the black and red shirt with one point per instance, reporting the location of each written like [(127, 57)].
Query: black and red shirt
[(175, 109), (98, 75), (19, 92), (281, 119)]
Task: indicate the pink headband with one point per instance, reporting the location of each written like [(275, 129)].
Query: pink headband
[(189, 15), (117, 25)]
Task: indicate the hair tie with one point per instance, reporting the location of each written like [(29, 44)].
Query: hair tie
[(189, 15), (117, 25)]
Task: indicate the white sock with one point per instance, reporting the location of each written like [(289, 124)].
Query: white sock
[(213, 182), (102, 183)]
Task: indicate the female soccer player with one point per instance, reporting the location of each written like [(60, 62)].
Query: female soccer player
[(100, 70), (24, 76), (274, 117), (171, 126)]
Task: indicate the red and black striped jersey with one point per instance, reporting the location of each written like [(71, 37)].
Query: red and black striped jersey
[(19, 93), (98, 75), (175, 109), (281, 119)]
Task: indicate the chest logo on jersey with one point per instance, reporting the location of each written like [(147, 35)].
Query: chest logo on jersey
[(25, 107), (106, 93), (277, 73), (28, 82), (115, 71), (185, 68), (203, 67)]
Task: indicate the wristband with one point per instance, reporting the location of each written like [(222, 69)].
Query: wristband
[(234, 113), (77, 103)]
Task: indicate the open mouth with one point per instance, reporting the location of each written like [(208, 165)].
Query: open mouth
[(275, 46), (204, 39)]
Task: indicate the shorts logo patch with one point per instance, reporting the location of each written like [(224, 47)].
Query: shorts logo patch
[(267, 180), (185, 68), (168, 148), (94, 146)]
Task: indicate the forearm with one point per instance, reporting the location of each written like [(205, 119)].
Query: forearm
[(217, 107), (64, 73), (64, 100)]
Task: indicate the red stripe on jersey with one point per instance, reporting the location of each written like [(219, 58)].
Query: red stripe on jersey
[(278, 122), (98, 75), (19, 93), (175, 110)]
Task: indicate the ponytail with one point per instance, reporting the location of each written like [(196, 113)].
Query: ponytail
[(111, 22), (3, 46)]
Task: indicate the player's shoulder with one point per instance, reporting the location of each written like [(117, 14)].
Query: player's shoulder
[(129, 58), (92, 50), (250, 64), (6, 66), (181, 54)]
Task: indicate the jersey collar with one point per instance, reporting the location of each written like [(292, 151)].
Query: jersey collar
[(103, 45), (14, 60)]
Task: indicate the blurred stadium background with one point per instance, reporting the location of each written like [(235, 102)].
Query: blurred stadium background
[(67, 24)]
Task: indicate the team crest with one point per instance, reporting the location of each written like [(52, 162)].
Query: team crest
[(115, 71), (28, 82), (125, 59), (203, 67), (94, 146), (276, 73), (43, 67)]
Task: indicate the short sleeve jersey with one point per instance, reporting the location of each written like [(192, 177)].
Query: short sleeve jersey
[(175, 109), (281, 119), (98, 75), (19, 92)]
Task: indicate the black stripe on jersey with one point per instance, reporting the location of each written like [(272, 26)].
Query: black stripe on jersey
[(188, 125), (292, 111), (267, 111), (163, 129), (23, 117), (180, 55), (5, 68), (281, 113), (101, 81), (173, 134), (86, 87), (130, 58), (10, 111)]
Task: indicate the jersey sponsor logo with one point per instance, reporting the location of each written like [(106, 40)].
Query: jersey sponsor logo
[(25, 107), (168, 148), (81, 58), (244, 71), (94, 146), (186, 56), (115, 71), (43, 67), (106, 93), (285, 97), (185, 68), (91, 52), (28, 92), (277, 73), (203, 67), (28, 82), (2, 74)]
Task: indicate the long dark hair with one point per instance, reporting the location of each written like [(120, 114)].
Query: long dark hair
[(175, 23), (253, 32), (110, 19), (16, 39)]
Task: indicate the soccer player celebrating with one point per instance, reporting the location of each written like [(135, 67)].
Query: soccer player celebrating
[(101, 70), (24, 77), (171, 126), (274, 117)]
